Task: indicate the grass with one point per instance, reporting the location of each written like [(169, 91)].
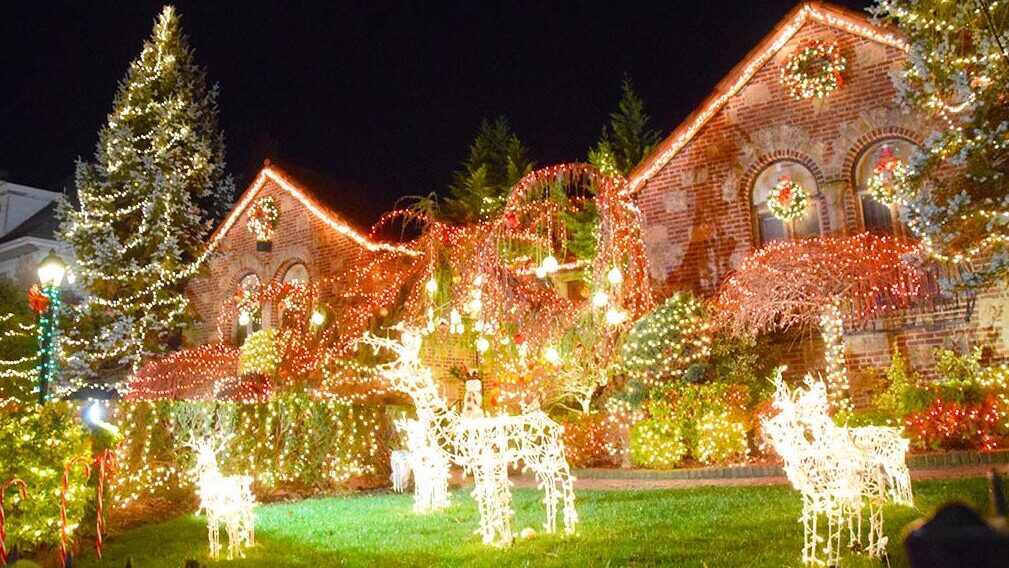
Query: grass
[(737, 526)]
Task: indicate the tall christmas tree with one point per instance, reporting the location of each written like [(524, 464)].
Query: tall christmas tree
[(497, 161), (146, 204), (957, 186)]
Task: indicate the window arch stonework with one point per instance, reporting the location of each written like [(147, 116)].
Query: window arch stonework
[(761, 177)]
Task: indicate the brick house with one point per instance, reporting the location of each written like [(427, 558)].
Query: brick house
[(703, 192), (311, 242)]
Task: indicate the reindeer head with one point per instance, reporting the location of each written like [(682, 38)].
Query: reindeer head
[(206, 450)]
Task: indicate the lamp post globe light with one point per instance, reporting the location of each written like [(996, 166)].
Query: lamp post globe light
[(51, 270)]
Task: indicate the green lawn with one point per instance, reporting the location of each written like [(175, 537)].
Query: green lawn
[(744, 526)]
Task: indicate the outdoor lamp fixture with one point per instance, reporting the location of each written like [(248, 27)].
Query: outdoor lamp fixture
[(51, 271)]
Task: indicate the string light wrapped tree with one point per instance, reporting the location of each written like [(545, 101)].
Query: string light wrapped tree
[(823, 282)]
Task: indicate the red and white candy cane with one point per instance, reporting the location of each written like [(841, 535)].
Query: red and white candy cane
[(63, 505), (3, 533), (106, 464)]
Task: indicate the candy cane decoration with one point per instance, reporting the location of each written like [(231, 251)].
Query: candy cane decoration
[(63, 505), (3, 533), (105, 462)]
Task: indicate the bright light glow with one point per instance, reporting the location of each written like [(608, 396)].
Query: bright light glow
[(94, 413), (600, 299), (51, 269), (431, 286), (318, 317), (615, 316), (549, 264), (551, 355), (224, 498), (614, 276), (838, 470), (541, 273), (244, 318), (482, 345)]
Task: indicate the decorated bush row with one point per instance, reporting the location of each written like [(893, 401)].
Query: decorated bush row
[(292, 443)]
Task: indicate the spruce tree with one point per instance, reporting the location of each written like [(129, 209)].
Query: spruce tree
[(147, 202), (957, 72), (626, 140), (497, 161)]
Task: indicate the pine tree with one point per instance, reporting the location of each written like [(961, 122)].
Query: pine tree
[(957, 72), (147, 201), (497, 161), (626, 140)]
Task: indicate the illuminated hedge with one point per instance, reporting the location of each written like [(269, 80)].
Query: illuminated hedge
[(658, 444), (667, 340), (35, 445)]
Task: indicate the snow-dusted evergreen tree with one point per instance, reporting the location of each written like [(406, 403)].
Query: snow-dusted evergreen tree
[(957, 71), (147, 202)]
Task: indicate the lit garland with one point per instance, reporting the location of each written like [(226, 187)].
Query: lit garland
[(888, 182), (814, 70), (788, 200), (48, 313), (837, 470), (263, 218)]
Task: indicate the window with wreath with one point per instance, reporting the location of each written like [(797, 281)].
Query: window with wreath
[(249, 316), (878, 175), (784, 202)]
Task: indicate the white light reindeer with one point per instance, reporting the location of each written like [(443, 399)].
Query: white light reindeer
[(838, 470), (483, 446), (226, 498)]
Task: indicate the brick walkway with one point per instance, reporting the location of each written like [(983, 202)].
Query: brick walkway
[(597, 481)]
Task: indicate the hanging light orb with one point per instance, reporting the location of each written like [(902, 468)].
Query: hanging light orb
[(615, 316), (549, 264), (318, 317), (551, 355), (540, 273), (244, 318), (600, 299), (431, 286), (614, 276), (482, 345)]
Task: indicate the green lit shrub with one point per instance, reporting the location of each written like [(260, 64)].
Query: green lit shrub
[(667, 341), (36, 444), (657, 443), (259, 353)]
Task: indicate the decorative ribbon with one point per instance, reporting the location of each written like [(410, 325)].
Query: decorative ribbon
[(106, 464), (3, 533), (63, 505)]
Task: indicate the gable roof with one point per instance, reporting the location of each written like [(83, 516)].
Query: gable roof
[(271, 172), (42, 225), (820, 12)]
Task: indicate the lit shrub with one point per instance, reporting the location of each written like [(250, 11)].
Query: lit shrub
[(585, 440), (36, 445), (720, 436), (259, 353), (657, 443), (665, 342)]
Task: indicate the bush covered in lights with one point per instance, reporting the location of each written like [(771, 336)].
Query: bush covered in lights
[(664, 343), (292, 442), (259, 353), (966, 408), (35, 444)]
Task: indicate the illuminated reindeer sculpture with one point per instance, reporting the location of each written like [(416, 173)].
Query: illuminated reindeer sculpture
[(838, 470), (224, 498), (483, 446)]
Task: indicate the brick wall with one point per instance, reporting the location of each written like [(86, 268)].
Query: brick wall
[(697, 221)]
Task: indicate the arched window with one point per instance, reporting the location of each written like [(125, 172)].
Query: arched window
[(297, 272), (879, 217), (249, 316), (770, 228)]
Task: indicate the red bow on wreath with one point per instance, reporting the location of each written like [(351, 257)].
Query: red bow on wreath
[(37, 300)]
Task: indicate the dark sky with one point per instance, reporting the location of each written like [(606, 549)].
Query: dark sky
[(385, 94)]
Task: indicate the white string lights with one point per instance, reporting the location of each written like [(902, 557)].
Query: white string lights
[(838, 470), (226, 498), (484, 446)]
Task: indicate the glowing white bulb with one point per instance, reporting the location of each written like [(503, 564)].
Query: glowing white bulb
[(600, 299), (540, 273), (431, 286), (551, 355), (475, 305), (615, 316), (614, 276), (549, 264), (318, 317), (94, 413), (482, 345), (243, 318)]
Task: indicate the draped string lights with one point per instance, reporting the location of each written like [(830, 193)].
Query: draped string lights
[(838, 470), (824, 282)]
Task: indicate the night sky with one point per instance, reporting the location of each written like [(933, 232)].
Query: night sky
[(387, 95)]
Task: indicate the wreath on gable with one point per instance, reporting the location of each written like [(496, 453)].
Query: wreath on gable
[(813, 70), (263, 219), (888, 181), (787, 200)]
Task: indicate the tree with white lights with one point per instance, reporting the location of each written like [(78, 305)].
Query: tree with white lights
[(957, 70), (146, 203)]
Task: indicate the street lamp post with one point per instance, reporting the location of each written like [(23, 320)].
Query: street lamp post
[(51, 271)]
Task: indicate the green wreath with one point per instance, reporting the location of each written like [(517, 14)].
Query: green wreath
[(788, 199), (814, 70)]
